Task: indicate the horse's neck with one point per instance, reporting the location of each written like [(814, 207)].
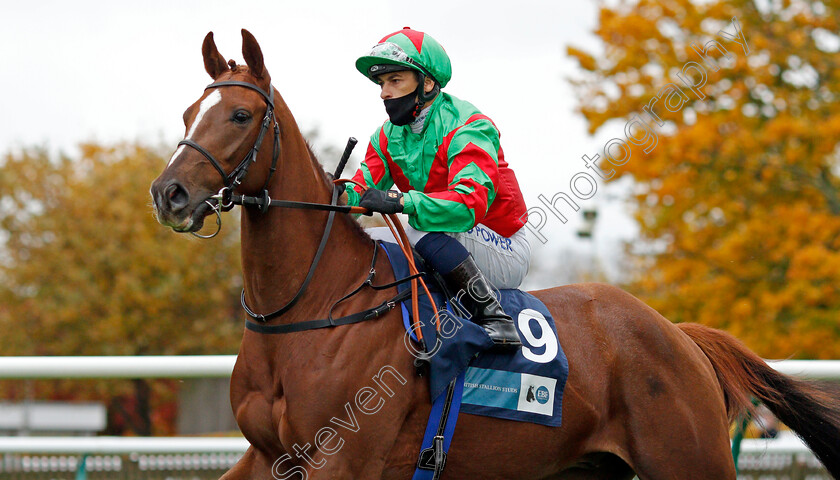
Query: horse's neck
[(279, 246)]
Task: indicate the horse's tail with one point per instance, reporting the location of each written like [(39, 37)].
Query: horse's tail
[(809, 408)]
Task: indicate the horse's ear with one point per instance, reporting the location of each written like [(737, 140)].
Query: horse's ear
[(253, 55), (214, 62)]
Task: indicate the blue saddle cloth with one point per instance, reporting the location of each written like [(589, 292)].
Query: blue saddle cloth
[(525, 386)]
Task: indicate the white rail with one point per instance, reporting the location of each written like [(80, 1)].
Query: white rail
[(122, 445), (817, 369), (786, 443), (196, 366), (175, 445), (158, 366)]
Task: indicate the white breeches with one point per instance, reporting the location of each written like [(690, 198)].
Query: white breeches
[(504, 261)]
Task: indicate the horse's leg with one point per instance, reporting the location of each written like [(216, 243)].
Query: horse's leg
[(666, 393), (249, 467), (676, 442), (676, 423), (597, 466), (242, 469)]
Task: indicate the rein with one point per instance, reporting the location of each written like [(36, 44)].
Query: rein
[(226, 198), (402, 239)]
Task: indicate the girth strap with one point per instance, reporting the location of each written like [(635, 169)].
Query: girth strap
[(434, 457)]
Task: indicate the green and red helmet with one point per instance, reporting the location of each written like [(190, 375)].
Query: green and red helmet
[(407, 49)]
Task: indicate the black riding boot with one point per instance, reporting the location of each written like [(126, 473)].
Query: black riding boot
[(477, 296)]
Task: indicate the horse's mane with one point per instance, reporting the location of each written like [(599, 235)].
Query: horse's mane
[(320, 168), (243, 69)]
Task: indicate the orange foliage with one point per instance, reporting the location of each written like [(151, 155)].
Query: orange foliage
[(87, 270), (741, 195)]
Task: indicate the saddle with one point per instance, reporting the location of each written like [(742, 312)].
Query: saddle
[(465, 375)]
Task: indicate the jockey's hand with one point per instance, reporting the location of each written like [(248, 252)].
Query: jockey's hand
[(381, 201)]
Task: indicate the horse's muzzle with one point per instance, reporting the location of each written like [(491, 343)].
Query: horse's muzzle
[(173, 208)]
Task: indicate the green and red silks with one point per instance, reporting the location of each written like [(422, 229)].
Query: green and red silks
[(453, 173)]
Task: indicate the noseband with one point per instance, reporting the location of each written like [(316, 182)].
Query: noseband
[(233, 179)]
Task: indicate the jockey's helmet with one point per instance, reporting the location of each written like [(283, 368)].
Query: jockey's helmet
[(407, 49)]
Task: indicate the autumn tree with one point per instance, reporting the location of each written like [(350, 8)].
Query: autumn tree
[(735, 161), (85, 269)]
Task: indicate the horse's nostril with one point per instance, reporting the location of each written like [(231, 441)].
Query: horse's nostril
[(176, 196)]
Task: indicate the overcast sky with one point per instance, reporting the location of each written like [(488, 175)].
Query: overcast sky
[(112, 71)]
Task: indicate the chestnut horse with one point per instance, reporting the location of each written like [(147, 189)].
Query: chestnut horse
[(644, 396)]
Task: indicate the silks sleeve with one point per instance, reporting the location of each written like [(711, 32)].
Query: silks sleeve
[(473, 175), (373, 173)]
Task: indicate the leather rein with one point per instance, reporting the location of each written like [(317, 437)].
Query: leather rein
[(226, 198)]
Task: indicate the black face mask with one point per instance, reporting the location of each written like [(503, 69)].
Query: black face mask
[(402, 110)]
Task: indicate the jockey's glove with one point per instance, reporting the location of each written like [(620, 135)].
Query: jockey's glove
[(381, 201)]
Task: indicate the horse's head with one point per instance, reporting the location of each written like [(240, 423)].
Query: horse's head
[(224, 127)]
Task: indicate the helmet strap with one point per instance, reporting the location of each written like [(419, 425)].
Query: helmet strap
[(422, 96)]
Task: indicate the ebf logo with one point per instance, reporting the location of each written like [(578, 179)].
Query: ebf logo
[(542, 395)]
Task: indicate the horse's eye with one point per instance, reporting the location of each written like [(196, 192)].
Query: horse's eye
[(241, 116)]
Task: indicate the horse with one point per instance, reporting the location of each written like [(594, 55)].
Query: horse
[(644, 396), (530, 397)]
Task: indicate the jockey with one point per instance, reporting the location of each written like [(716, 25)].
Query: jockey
[(463, 203)]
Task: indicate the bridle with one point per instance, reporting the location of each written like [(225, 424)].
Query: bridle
[(232, 180), (226, 198)]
